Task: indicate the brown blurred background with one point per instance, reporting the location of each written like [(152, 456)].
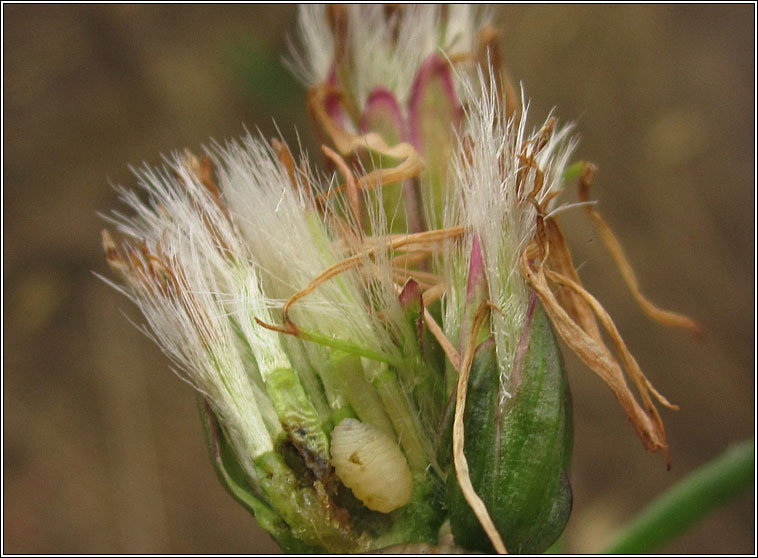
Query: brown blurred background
[(103, 450)]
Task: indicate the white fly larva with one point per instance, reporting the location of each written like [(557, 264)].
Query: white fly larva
[(371, 464)]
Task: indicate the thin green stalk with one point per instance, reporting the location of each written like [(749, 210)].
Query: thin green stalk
[(688, 501), (343, 345)]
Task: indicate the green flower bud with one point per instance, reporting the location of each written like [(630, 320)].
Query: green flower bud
[(518, 448)]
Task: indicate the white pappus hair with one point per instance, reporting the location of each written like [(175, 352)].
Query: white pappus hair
[(491, 200)]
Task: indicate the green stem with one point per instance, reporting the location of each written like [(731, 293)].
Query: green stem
[(688, 501), (343, 345)]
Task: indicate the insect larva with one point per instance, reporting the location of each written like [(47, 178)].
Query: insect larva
[(371, 464)]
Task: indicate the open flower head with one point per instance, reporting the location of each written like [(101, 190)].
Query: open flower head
[(346, 327)]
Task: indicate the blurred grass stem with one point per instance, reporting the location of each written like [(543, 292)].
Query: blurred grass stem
[(688, 501)]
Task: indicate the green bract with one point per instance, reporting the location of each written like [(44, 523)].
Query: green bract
[(518, 448)]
